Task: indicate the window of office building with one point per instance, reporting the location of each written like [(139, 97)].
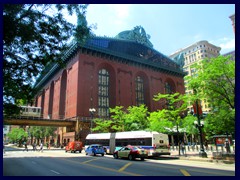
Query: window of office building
[(103, 93)]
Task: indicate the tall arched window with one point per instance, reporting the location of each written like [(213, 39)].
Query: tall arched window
[(103, 93), (139, 91), (168, 88)]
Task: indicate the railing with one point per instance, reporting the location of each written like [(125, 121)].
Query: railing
[(208, 149)]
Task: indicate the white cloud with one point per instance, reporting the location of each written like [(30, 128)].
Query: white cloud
[(226, 44)]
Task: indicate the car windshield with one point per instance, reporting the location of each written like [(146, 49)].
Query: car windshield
[(135, 148)]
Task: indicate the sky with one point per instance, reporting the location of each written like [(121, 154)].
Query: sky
[(170, 26)]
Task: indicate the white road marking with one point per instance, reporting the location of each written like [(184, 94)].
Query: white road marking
[(55, 172)]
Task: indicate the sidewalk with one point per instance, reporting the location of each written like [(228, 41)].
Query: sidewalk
[(194, 156)]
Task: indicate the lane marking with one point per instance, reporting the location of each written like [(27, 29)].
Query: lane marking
[(89, 160), (55, 172), (185, 173), (104, 168), (124, 167)]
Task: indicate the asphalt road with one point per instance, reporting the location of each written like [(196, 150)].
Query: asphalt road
[(59, 163)]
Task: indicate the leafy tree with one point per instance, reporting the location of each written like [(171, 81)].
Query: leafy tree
[(136, 118), (34, 35), (17, 135), (40, 132), (170, 118), (102, 125), (215, 82), (119, 118)]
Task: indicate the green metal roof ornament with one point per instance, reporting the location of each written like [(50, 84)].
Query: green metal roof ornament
[(138, 34)]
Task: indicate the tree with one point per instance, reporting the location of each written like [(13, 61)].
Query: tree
[(169, 119), (215, 82), (17, 135), (102, 125), (40, 132), (119, 118), (136, 118), (34, 35)]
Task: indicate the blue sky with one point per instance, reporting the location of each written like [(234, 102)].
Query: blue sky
[(170, 26)]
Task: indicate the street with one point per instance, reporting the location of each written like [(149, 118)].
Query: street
[(59, 163)]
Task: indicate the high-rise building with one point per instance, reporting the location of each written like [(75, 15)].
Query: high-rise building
[(194, 53)]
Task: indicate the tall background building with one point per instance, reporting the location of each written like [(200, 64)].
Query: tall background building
[(195, 53)]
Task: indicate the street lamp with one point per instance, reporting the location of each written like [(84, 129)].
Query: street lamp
[(200, 124), (92, 111)]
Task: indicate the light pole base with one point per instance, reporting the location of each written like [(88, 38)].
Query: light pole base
[(203, 154)]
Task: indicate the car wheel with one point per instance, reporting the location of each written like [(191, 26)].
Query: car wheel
[(103, 154), (115, 156), (142, 159), (74, 151), (86, 154), (65, 150), (130, 157), (80, 151)]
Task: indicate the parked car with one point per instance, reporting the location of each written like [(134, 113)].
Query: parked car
[(74, 146), (131, 152), (95, 149)]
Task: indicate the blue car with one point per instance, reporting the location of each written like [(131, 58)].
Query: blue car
[(95, 149)]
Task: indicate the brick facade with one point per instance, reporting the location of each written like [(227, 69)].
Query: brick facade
[(71, 91)]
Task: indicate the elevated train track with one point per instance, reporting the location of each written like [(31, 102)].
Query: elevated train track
[(38, 121)]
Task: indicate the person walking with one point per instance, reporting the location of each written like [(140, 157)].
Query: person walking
[(182, 147), (26, 148), (41, 147), (227, 146)]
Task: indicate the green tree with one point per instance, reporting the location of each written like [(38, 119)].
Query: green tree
[(215, 82), (34, 35), (102, 125), (136, 118), (119, 118), (169, 119), (40, 132), (17, 135)]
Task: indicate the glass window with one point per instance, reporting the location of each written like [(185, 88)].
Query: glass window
[(103, 93), (139, 91), (168, 89)]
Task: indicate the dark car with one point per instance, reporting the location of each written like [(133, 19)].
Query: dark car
[(95, 149), (131, 152)]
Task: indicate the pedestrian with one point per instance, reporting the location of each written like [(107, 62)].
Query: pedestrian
[(41, 147), (34, 146), (26, 148), (206, 145), (227, 146), (182, 147)]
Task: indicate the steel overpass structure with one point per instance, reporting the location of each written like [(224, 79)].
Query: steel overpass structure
[(38, 121)]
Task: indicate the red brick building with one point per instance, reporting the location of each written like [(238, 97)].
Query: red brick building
[(106, 72)]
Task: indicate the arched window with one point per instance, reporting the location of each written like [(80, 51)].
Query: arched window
[(139, 91), (103, 93), (168, 88)]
